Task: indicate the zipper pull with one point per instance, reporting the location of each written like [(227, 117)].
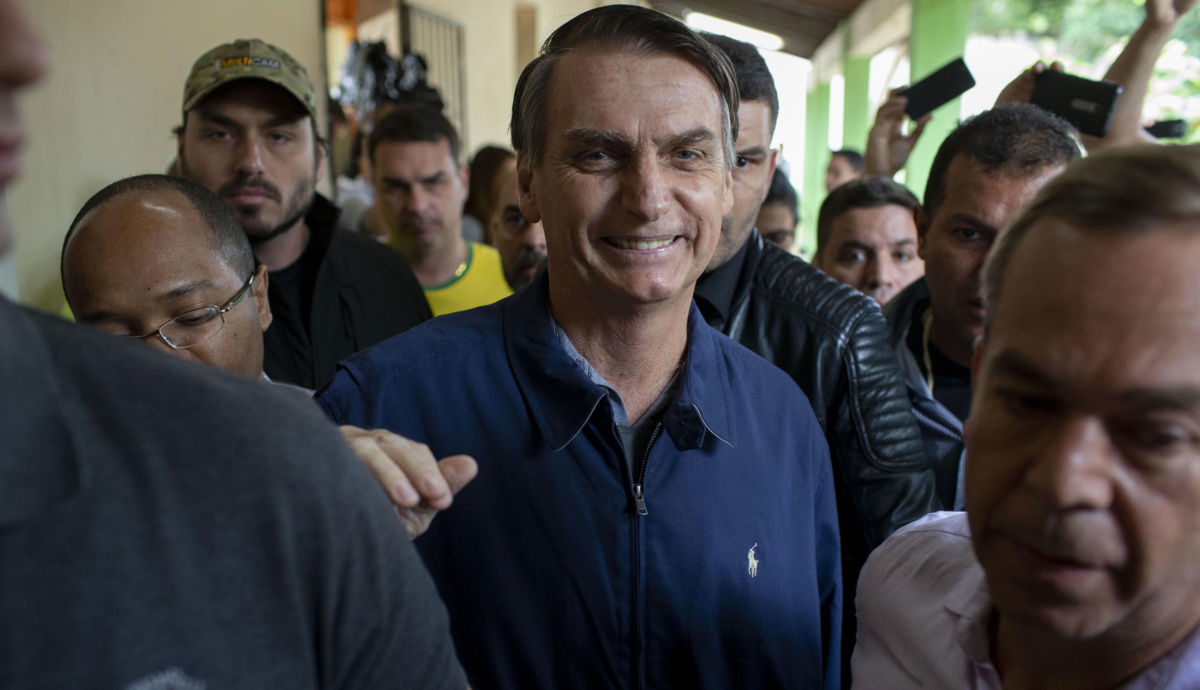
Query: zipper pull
[(637, 498)]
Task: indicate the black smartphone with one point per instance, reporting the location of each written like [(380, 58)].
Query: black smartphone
[(1168, 129), (938, 89), (1084, 103)]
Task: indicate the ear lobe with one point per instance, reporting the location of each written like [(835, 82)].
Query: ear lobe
[(529, 204), (261, 281)]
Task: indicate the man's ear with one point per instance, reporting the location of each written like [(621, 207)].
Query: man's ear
[(464, 176), (529, 204), (772, 160), (921, 219), (259, 288), (318, 157)]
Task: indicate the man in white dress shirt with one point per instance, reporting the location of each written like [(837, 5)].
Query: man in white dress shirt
[(1077, 562)]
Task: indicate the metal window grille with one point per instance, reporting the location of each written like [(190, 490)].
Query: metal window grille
[(440, 41)]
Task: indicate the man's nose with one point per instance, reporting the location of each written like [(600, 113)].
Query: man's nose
[(534, 237), (250, 154), (881, 272), (23, 56), (644, 190), (1069, 467)]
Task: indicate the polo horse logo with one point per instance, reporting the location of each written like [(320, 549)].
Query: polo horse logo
[(753, 561)]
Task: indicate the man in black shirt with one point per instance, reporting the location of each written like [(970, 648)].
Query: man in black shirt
[(249, 135), (986, 169)]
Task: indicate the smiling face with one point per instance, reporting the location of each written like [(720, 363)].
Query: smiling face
[(420, 191), (873, 250), (139, 260), (251, 143), (631, 188), (956, 240), (753, 165), (1083, 485)]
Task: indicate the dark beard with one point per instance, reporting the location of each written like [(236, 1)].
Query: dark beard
[(283, 227), (299, 210)]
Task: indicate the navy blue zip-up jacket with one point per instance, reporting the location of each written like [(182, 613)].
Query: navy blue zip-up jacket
[(551, 576)]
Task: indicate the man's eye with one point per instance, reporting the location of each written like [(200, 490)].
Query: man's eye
[(196, 318), (216, 134), (279, 137), (968, 234), (741, 162), (853, 256), (1152, 436), (903, 257)]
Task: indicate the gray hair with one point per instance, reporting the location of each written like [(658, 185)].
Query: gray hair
[(1127, 189), (623, 27)]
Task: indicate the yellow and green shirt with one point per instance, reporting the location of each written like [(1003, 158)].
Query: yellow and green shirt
[(478, 282)]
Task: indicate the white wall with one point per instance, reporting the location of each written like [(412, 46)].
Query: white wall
[(114, 92)]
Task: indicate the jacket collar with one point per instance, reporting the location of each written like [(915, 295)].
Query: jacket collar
[(563, 399)]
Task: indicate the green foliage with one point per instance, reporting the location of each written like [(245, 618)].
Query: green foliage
[(1083, 29), (1086, 32)]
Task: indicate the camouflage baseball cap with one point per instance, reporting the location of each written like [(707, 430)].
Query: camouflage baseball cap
[(248, 59)]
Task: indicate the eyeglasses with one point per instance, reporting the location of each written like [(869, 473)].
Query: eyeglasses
[(195, 326)]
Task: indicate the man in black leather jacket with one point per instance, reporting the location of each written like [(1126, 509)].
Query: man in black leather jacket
[(831, 339)]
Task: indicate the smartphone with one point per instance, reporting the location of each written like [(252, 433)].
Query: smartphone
[(1084, 103), (1168, 129), (938, 89)]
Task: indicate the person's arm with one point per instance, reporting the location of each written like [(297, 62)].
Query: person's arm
[(417, 484), (1133, 68), (888, 148)]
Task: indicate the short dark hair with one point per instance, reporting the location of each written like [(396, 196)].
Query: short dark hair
[(1123, 189), (1017, 137), (781, 191), (628, 27), (409, 123), (865, 192), (854, 158), (485, 165), (226, 237), (754, 80)]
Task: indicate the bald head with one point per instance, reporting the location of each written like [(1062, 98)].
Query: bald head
[(143, 252)]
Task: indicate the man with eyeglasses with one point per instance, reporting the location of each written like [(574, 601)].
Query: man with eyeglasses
[(163, 260), (522, 245), (160, 259)]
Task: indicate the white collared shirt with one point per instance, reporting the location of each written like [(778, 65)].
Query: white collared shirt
[(924, 612)]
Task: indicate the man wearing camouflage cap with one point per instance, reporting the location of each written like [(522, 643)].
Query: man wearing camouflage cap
[(249, 134)]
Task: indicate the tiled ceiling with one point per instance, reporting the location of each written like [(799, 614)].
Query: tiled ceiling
[(802, 25)]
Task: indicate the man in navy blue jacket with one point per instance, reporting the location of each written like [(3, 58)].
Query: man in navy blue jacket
[(641, 518)]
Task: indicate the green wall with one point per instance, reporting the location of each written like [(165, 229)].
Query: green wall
[(816, 159)]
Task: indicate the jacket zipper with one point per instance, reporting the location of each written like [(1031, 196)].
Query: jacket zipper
[(639, 499), (639, 481)]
